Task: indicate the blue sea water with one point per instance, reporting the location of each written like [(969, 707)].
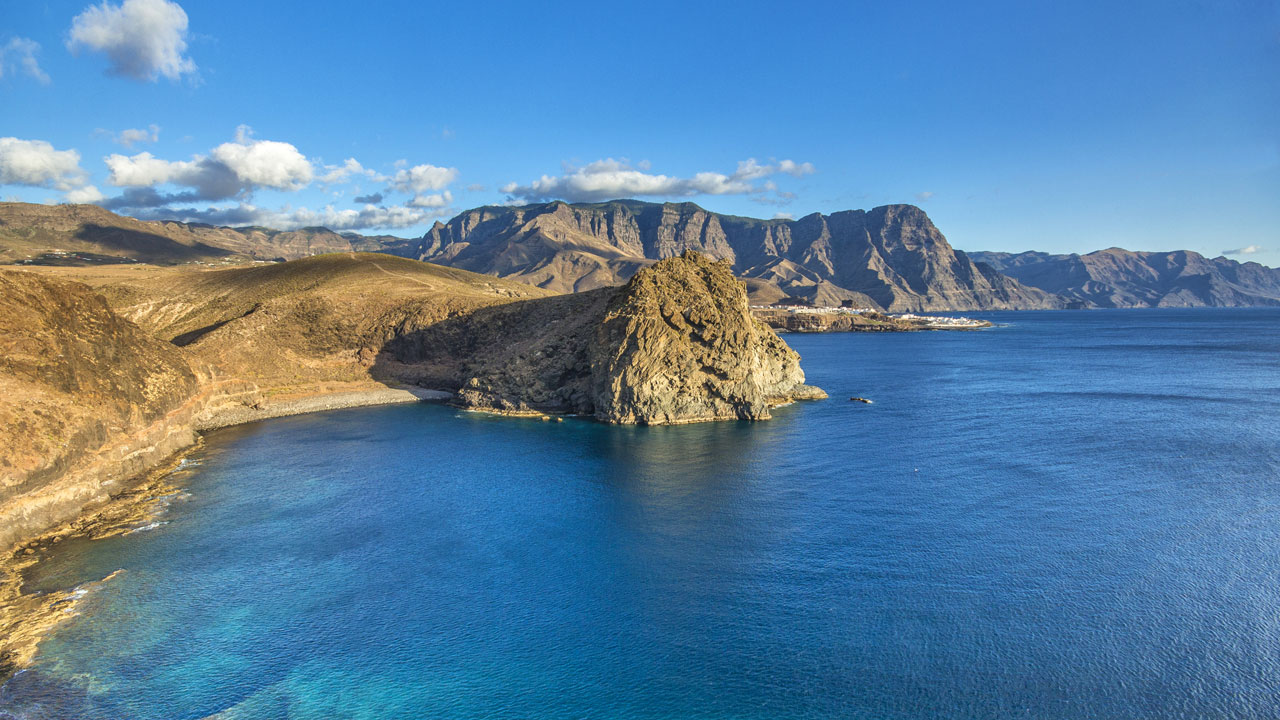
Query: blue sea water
[(1071, 515)]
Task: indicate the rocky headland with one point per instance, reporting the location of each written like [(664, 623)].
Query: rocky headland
[(676, 344), (104, 383)]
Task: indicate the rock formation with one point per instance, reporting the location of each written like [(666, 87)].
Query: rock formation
[(676, 344), (891, 257), (1124, 279)]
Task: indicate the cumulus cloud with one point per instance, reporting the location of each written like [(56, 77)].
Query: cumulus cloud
[(142, 39), (19, 55), (196, 190), (1246, 250), (86, 194), (783, 216), (265, 163), (610, 178), (36, 163), (135, 136), (367, 217), (423, 178), (437, 200), (230, 169), (348, 170), (795, 169)]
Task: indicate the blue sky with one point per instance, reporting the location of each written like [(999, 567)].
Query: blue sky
[(1065, 127)]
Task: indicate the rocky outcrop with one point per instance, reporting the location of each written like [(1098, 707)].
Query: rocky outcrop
[(676, 344), (891, 257), (1120, 278)]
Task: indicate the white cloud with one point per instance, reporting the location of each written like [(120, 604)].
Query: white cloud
[(437, 200), (924, 196), (19, 55), (86, 194), (423, 178), (349, 169), (230, 169), (38, 164), (236, 170), (795, 169), (266, 163), (133, 136), (609, 178), (783, 216), (1246, 250), (142, 39)]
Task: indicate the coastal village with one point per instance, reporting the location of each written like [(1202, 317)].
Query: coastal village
[(811, 318)]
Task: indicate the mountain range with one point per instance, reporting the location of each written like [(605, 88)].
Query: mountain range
[(1119, 278), (889, 258)]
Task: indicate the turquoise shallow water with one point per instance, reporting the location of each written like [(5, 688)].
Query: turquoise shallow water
[(1074, 515)]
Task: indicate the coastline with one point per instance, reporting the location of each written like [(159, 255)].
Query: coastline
[(26, 618)]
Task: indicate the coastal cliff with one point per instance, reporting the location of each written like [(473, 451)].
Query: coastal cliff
[(85, 394)]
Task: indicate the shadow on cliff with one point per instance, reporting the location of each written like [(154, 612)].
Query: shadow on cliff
[(528, 353), (148, 247)]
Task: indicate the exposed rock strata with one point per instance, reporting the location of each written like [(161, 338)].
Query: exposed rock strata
[(891, 257)]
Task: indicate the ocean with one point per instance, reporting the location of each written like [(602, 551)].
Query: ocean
[(1069, 515)]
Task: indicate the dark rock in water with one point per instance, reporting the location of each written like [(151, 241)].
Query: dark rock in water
[(860, 399)]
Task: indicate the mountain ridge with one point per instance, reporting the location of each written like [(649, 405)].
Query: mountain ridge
[(890, 257), (1115, 277)]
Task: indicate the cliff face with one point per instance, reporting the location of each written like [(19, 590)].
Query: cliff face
[(87, 400), (891, 257), (1121, 278), (676, 344)]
